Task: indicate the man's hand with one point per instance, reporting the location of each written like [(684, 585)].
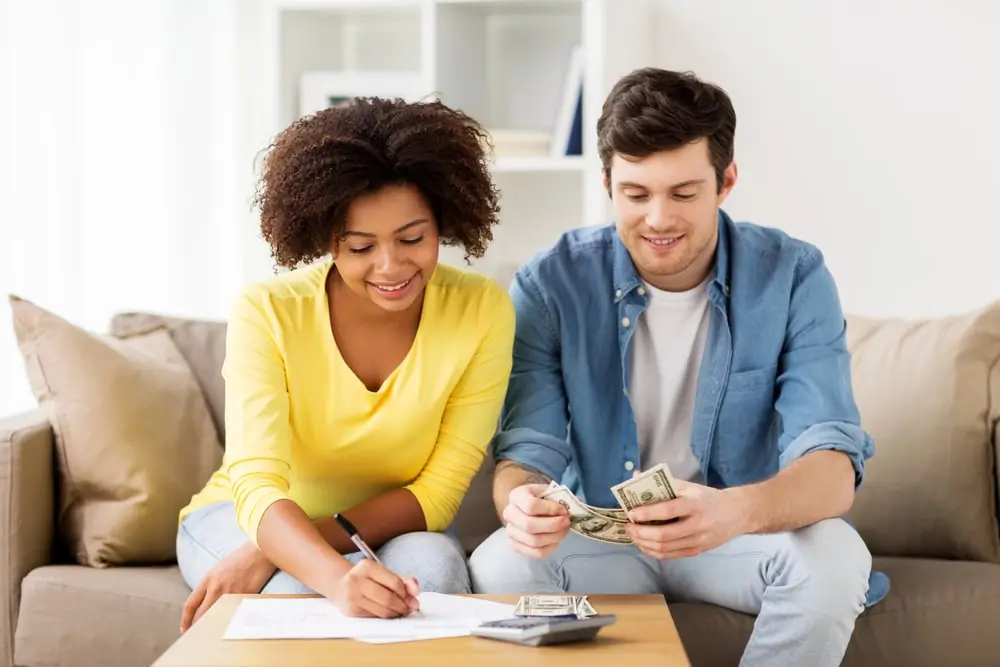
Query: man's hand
[(369, 590), (700, 518), (245, 571), (535, 526)]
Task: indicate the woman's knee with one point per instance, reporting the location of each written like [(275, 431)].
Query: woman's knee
[(205, 537), (435, 560), (283, 583)]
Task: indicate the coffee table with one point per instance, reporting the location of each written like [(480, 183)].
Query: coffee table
[(644, 635)]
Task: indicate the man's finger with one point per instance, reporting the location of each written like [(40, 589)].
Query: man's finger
[(535, 506), (681, 549), (192, 604), (664, 510), (533, 540), (662, 534), (546, 524)]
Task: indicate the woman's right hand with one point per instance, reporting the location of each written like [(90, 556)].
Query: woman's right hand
[(370, 590)]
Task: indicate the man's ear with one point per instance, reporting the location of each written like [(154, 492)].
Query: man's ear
[(729, 177)]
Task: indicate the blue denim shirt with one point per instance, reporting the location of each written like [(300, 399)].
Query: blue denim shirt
[(774, 382)]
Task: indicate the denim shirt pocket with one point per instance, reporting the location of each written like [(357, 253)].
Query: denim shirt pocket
[(759, 380), (744, 422)]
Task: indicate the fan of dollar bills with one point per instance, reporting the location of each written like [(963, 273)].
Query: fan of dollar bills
[(554, 605), (608, 524)]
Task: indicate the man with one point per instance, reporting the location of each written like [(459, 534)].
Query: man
[(678, 336)]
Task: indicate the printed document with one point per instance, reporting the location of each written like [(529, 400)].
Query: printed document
[(317, 618)]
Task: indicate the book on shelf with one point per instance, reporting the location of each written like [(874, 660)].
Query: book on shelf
[(567, 134)]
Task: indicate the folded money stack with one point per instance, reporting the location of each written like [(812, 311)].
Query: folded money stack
[(608, 524), (554, 605)]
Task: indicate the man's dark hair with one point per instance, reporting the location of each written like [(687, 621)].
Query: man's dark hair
[(321, 163), (651, 110)]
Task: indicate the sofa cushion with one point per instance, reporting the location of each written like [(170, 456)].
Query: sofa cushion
[(926, 392), (113, 616), (133, 437), (477, 515), (203, 345), (937, 613)]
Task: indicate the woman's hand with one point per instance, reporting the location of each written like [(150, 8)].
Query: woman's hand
[(245, 571), (370, 590)]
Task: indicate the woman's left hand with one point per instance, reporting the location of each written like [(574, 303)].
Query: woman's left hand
[(245, 571)]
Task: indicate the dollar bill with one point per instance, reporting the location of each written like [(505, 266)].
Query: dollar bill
[(614, 513), (554, 605), (650, 486), (585, 521)]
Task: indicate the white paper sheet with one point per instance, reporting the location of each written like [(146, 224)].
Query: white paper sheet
[(317, 618)]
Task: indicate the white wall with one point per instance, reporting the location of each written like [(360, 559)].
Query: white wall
[(869, 127)]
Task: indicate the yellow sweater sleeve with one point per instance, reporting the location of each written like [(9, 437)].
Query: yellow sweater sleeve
[(470, 416), (258, 438)]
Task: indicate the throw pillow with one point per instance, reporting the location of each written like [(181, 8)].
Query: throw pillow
[(927, 389), (203, 345), (134, 438)]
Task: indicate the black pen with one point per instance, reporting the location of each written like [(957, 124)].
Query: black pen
[(352, 532)]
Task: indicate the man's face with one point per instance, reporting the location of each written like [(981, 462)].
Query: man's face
[(666, 207)]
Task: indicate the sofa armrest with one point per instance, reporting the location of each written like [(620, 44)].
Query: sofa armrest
[(27, 497)]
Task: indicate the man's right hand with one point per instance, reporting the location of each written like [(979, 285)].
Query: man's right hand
[(535, 526), (370, 590)]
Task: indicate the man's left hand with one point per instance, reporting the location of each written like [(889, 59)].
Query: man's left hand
[(700, 518)]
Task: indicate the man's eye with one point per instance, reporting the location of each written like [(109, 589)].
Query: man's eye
[(684, 197), (359, 251), (636, 197), (414, 241)]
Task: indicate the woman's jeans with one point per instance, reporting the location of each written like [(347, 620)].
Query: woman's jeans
[(211, 533)]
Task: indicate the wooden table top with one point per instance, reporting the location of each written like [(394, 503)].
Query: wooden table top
[(643, 634)]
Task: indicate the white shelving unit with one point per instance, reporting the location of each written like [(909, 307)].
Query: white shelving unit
[(502, 61)]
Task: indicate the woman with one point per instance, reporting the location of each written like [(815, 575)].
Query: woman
[(368, 383)]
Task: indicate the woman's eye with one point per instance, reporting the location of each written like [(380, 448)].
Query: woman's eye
[(413, 241), (359, 251)]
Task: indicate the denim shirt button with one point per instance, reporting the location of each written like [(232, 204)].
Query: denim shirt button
[(641, 291), (618, 294), (625, 322), (629, 465)]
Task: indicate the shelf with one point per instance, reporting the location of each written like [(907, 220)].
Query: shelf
[(533, 163), (342, 5), (513, 5)]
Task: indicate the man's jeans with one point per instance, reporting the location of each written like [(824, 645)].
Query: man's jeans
[(211, 533), (806, 587)]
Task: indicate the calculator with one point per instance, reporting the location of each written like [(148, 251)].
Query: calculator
[(544, 630)]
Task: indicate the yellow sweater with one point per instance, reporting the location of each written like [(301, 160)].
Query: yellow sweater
[(300, 425)]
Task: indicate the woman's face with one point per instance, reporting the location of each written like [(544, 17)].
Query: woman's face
[(390, 247)]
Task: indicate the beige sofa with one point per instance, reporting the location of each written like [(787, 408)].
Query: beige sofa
[(928, 392)]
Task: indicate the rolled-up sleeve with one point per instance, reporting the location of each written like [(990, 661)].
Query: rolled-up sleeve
[(815, 396), (258, 433), (533, 430), (470, 416)]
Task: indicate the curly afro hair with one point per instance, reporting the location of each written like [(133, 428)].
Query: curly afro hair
[(320, 164)]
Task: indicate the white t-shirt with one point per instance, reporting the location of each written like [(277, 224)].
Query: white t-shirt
[(667, 348)]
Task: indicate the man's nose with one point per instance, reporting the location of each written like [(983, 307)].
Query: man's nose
[(659, 215)]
